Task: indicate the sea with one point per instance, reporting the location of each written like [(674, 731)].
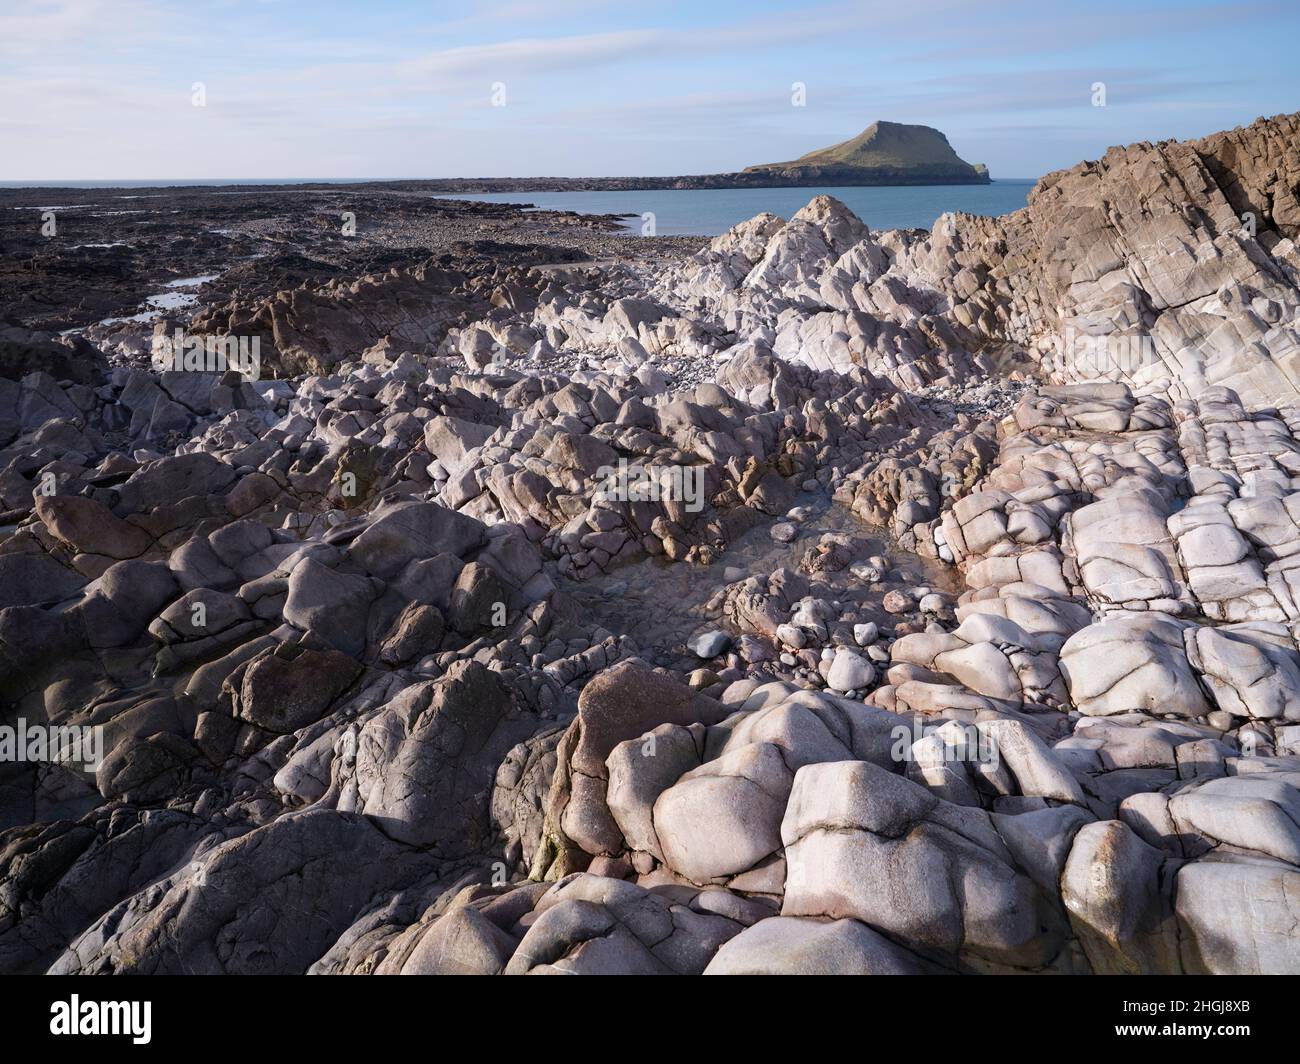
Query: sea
[(708, 212), (695, 212)]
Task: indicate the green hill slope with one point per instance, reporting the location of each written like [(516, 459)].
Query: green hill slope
[(884, 148)]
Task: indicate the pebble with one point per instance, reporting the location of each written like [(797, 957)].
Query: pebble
[(932, 603), (709, 644), (866, 634), (792, 636), (784, 532), (850, 671), (897, 602), (868, 572)]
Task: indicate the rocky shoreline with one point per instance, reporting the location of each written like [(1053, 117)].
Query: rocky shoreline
[(809, 600)]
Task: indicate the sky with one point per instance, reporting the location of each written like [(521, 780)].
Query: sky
[(108, 89)]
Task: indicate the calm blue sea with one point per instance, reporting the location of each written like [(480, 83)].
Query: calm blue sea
[(708, 212), (704, 212)]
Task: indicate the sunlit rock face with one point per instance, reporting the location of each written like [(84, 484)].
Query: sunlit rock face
[(1171, 267)]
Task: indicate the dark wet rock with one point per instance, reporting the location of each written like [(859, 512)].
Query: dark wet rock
[(270, 900), (293, 686), (426, 763), (89, 527)]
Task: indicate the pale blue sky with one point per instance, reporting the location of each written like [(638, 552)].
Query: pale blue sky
[(95, 89)]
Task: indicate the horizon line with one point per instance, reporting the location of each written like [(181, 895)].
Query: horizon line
[(141, 182)]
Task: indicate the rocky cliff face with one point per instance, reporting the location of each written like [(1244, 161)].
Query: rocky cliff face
[(1170, 266), (977, 671)]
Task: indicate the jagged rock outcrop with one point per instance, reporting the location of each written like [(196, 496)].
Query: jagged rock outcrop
[(976, 667)]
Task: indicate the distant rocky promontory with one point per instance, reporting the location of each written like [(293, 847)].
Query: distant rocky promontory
[(885, 153)]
